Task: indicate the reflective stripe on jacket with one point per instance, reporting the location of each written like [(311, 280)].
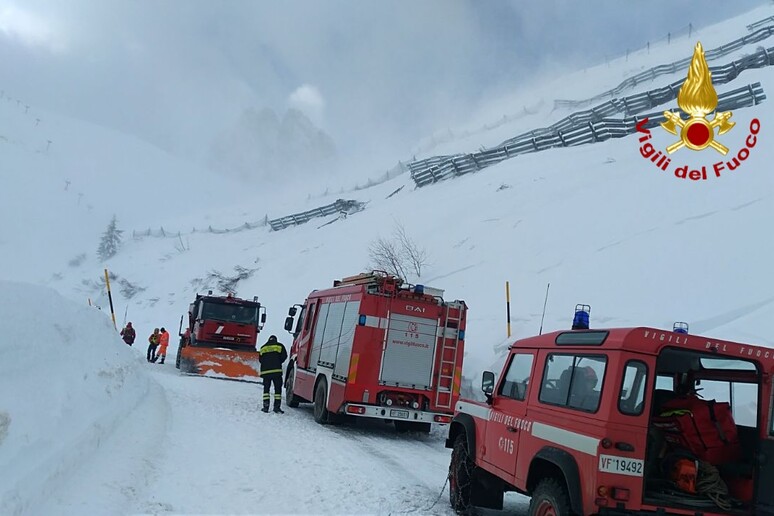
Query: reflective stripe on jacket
[(273, 354)]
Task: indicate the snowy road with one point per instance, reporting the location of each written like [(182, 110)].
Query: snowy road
[(201, 445)]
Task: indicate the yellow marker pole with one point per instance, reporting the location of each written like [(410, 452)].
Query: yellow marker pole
[(508, 305), (110, 297)]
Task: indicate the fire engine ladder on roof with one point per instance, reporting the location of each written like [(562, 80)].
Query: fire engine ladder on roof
[(449, 348)]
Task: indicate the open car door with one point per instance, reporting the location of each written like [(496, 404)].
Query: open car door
[(765, 500)]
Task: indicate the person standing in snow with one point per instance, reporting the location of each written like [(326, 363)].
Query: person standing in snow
[(128, 334), (153, 342), (272, 355), (163, 343)]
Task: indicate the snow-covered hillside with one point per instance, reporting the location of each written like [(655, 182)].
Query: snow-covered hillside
[(599, 223)]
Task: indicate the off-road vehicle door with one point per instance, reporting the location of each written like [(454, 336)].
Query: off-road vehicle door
[(507, 418), (765, 501)]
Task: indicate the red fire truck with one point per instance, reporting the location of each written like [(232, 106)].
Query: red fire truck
[(221, 337), (375, 347)]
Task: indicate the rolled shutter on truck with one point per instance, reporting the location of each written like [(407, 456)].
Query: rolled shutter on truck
[(409, 351)]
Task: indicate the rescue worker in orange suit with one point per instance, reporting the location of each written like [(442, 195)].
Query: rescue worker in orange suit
[(272, 356), (153, 342), (163, 343), (128, 334)]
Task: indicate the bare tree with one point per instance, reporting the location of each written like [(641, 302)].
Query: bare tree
[(385, 255), (414, 256), (398, 255)]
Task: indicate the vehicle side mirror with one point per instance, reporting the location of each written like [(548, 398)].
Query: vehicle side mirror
[(488, 383), (292, 312), (289, 324), (263, 318)]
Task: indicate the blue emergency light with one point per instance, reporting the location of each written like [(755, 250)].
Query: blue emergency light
[(581, 319), (680, 327), (419, 289)]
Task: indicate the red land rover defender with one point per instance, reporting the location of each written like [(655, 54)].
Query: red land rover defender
[(620, 421)]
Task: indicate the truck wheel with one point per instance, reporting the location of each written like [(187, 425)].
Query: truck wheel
[(291, 400), (321, 414), (460, 476), (549, 499)]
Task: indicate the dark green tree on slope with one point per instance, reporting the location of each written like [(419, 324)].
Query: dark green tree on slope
[(111, 241)]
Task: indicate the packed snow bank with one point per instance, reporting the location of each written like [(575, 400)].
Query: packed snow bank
[(66, 380)]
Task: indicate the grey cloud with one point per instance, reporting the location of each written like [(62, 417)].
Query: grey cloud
[(178, 73)]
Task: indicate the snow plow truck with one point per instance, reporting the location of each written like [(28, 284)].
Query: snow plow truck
[(375, 347), (221, 336)]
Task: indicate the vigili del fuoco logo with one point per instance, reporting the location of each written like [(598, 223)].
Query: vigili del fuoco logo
[(698, 99)]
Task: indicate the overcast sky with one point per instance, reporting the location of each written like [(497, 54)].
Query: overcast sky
[(376, 75)]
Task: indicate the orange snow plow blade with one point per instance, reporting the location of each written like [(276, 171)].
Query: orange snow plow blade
[(220, 363)]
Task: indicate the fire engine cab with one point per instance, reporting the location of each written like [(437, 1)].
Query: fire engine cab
[(620, 421), (375, 347)]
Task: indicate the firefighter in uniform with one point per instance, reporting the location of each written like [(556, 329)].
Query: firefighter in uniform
[(272, 355)]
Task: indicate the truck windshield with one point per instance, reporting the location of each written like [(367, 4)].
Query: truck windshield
[(231, 313)]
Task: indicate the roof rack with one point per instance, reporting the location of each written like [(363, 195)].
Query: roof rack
[(366, 278), (380, 280)]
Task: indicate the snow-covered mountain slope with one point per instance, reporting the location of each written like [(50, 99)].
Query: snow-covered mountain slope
[(63, 179), (533, 106), (599, 223)]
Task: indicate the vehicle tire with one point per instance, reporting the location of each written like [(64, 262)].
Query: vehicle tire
[(291, 400), (177, 360), (550, 498), (321, 414), (461, 476)]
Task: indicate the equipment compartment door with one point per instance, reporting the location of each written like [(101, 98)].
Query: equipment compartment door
[(348, 327), (409, 351), (319, 330)]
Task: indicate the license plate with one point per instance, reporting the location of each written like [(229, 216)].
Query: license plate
[(399, 413), (621, 465)]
